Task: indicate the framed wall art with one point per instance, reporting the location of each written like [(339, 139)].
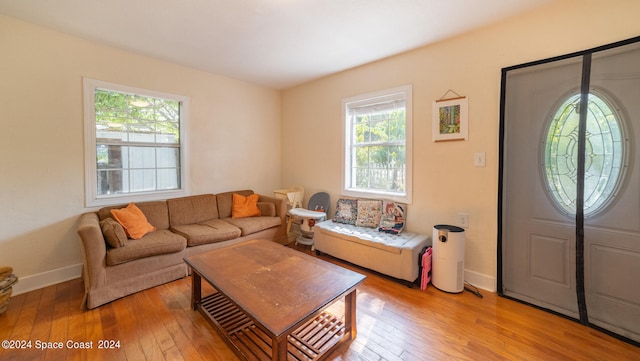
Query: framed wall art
[(450, 121)]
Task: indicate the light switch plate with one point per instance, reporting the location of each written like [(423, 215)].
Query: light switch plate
[(463, 220), (479, 159)]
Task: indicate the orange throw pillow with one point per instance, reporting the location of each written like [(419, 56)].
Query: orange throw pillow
[(245, 206), (133, 221)]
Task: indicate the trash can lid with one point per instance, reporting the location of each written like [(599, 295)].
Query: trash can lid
[(448, 228)]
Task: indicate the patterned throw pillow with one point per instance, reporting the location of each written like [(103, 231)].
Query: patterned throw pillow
[(369, 213), (393, 217), (346, 211)]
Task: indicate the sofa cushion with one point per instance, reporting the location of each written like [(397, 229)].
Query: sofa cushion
[(252, 225), (133, 220), (225, 202), (346, 211), (369, 213), (192, 209), (113, 232), (152, 244), (245, 206), (213, 230), (368, 236)]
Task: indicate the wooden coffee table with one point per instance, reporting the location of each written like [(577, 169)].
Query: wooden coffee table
[(271, 300)]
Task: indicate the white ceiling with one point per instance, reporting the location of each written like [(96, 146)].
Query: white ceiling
[(276, 43)]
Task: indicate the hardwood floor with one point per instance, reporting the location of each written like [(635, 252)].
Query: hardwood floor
[(394, 323)]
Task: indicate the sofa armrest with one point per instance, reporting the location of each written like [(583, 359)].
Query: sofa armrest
[(94, 251)]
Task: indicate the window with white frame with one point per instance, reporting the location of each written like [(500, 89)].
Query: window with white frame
[(377, 144), (135, 144)]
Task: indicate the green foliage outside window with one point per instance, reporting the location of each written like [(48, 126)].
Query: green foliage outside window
[(380, 150), (130, 113)]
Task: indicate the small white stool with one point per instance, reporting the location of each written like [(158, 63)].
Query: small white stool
[(309, 219)]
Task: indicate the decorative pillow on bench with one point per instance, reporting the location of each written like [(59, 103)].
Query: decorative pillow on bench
[(369, 213), (392, 220), (386, 216), (346, 211)]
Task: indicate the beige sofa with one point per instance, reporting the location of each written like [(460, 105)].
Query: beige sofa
[(184, 226)]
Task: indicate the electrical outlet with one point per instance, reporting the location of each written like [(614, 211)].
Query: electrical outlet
[(463, 220)]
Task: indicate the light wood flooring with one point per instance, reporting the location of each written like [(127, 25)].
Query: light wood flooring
[(394, 323)]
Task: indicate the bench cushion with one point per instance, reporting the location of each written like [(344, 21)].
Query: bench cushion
[(368, 236)]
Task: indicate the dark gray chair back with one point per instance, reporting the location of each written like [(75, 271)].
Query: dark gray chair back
[(319, 200)]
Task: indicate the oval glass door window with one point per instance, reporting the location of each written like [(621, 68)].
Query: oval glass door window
[(604, 157)]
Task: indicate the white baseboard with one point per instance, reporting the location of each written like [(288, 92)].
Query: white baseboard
[(41, 280), (480, 280)]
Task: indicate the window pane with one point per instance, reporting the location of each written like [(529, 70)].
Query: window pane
[(168, 157), (167, 132), (110, 182), (362, 178), (361, 133), (168, 179), (362, 157), (397, 127), (109, 156), (379, 131), (378, 156), (142, 180), (141, 134), (142, 157)]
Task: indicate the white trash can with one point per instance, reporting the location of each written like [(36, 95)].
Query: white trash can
[(447, 262)]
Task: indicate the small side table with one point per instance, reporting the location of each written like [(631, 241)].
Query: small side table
[(309, 219)]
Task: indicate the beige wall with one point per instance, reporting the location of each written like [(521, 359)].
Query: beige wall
[(234, 139), (445, 181)]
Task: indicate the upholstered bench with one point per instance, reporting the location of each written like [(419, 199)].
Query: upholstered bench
[(390, 254)]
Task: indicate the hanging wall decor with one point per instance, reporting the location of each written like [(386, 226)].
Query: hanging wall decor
[(450, 121)]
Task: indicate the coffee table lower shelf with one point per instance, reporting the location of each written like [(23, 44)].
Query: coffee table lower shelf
[(311, 341)]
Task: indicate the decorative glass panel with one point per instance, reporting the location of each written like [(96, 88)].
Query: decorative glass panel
[(604, 157)]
